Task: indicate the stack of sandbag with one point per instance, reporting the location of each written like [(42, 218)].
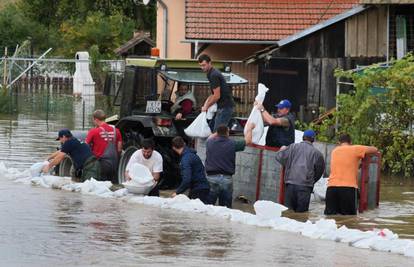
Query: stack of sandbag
[(256, 116), (141, 180)]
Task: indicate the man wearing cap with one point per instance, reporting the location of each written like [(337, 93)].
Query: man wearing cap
[(282, 128), (84, 162), (304, 166)]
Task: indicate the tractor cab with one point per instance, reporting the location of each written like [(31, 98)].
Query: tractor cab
[(147, 95)]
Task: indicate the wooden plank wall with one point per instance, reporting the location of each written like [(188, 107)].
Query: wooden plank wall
[(366, 33), (322, 82)]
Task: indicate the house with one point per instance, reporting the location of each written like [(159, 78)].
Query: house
[(292, 46), (139, 45), (301, 67)]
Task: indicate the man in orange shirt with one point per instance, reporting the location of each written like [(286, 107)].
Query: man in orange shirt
[(341, 195)]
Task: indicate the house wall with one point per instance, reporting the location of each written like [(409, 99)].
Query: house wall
[(366, 33), (231, 51), (176, 30)]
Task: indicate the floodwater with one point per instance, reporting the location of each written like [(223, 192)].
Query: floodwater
[(43, 227)]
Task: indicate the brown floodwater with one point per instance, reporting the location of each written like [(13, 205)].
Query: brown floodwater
[(43, 227)]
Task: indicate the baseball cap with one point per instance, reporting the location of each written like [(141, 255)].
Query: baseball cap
[(309, 133), (64, 132), (284, 104)]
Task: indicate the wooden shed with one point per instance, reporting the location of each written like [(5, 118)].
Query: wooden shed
[(301, 67)]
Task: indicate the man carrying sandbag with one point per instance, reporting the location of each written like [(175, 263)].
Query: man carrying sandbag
[(282, 127), (192, 172), (84, 162), (151, 159), (221, 94), (221, 163), (106, 143)]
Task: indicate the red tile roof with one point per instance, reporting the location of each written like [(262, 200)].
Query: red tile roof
[(257, 20)]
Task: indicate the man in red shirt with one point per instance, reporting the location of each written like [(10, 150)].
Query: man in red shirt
[(106, 145)]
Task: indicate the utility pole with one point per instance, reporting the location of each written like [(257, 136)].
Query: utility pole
[(5, 68)]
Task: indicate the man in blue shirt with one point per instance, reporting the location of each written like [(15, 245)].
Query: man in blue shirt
[(192, 172), (84, 162), (282, 127)]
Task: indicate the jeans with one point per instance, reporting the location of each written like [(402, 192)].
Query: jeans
[(222, 116), (221, 187), (297, 197)]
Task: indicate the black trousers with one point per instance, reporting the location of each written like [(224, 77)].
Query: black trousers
[(202, 194), (341, 200), (297, 197)]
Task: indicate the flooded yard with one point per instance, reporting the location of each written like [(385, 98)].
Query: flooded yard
[(43, 227)]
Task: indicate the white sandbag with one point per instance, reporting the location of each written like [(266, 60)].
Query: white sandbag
[(266, 209), (36, 169), (261, 93), (210, 111), (199, 127), (319, 189), (298, 136), (256, 116), (140, 174)]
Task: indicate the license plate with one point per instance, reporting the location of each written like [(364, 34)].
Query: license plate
[(153, 107)]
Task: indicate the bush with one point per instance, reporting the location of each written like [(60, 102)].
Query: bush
[(381, 119)]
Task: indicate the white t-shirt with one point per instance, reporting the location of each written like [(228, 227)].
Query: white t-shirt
[(154, 163)]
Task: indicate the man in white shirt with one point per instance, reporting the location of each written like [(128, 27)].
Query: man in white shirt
[(150, 158)]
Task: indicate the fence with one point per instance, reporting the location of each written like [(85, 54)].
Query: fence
[(39, 84)]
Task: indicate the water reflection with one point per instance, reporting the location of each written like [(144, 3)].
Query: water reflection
[(44, 227)]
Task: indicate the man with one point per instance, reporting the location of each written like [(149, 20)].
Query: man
[(282, 128), (221, 163), (106, 144), (221, 94), (151, 159), (184, 102), (84, 162), (341, 195), (192, 172), (304, 166)]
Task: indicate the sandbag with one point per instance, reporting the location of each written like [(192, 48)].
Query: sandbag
[(267, 210), (210, 111), (140, 174), (256, 116), (319, 189), (36, 169), (199, 127)]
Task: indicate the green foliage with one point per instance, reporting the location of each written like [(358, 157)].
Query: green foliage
[(15, 28), (384, 119), (104, 32), (72, 25)]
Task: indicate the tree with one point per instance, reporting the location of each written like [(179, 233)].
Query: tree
[(380, 112)]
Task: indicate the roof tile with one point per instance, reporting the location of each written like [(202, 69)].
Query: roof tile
[(259, 20)]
